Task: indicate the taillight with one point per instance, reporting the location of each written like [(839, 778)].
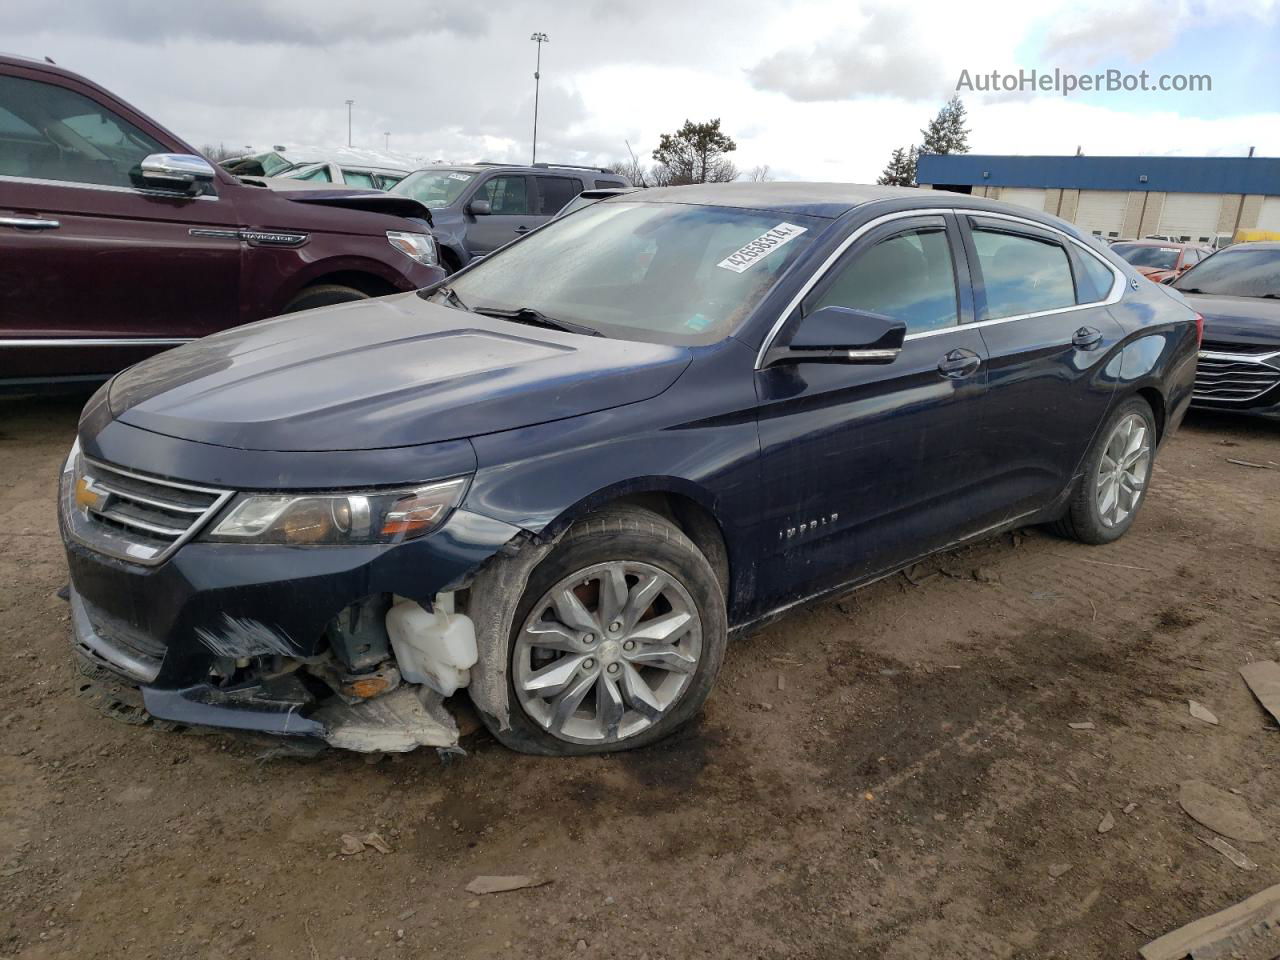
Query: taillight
[(1199, 330)]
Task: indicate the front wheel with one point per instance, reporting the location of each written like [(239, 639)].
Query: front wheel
[(617, 638), (1116, 474)]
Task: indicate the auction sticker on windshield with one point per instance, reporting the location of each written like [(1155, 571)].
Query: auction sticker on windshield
[(761, 247)]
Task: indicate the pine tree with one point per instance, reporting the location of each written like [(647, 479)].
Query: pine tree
[(947, 133), (901, 169)]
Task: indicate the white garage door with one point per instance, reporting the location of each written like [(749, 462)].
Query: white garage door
[(1191, 216), (1102, 211), (1269, 215), (1023, 196)]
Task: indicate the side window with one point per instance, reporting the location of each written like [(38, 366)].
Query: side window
[(48, 132), (1095, 280), (385, 181), (507, 196), (319, 175), (1022, 274), (909, 276), (1190, 257), (358, 178), (556, 192)]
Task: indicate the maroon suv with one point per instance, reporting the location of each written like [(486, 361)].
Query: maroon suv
[(118, 240)]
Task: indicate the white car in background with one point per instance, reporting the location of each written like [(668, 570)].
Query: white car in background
[(332, 172)]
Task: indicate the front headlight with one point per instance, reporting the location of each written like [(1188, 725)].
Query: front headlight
[(315, 518), (419, 246)]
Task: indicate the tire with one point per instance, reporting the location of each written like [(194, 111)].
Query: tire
[(644, 548), (1086, 519), (324, 295)]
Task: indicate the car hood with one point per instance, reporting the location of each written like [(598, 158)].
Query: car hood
[(1247, 320), (389, 372)]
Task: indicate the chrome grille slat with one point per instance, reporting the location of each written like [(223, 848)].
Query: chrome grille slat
[(1235, 373), (134, 516), (142, 498)]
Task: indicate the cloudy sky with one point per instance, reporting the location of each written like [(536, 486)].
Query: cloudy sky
[(816, 89)]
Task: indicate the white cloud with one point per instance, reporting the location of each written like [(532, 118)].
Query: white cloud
[(457, 85)]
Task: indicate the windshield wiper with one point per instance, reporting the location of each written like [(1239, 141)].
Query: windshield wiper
[(445, 291), (536, 318), (1189, 290)]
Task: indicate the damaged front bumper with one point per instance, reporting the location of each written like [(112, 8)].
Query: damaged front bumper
[(237, 636)]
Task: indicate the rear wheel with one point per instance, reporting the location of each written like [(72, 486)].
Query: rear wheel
[(616, 640), (324, 295), (1117, 472)]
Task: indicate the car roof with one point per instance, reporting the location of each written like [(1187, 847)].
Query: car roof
[(1255, 245), (829, 200), (586, 172), (1148, 242)]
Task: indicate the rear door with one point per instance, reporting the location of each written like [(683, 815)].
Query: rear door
[(554, 192), (512, 206), (1041, 305), (96, 270)]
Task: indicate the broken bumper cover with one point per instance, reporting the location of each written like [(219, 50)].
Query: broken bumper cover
[(163, 627)]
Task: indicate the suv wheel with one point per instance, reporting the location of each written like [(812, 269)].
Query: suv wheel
[(616, 640), (324, 295), (1116, 474)]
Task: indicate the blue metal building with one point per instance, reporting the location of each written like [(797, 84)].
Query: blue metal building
[(1202, 199)]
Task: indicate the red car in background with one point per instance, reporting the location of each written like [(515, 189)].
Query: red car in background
[(118, 240), (1160, 260)]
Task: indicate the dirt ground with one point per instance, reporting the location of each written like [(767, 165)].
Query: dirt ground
[(887, 776)]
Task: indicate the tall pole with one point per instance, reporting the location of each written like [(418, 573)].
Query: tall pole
[(539, 39), (388, 139), (349, 103)]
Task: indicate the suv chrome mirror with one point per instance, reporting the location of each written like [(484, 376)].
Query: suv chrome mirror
[(176, 171), (841, 335)]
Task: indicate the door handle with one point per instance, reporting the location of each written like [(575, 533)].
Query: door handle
[(522, 229), (1086, 338), (29, 223), (959, 364)]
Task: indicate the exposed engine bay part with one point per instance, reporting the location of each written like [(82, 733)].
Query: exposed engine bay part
[(358, 636), (397, 722), (435, 647), (492, 602)]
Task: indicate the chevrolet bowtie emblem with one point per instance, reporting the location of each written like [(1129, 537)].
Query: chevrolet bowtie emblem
[(87, 497)]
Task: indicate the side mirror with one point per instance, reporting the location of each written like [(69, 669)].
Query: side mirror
[(479, 208), (183, 172), (841, 335)]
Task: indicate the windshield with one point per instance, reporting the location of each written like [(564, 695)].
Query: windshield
[(1235, 272), (1143, 255), (659, 272), (434, 188)]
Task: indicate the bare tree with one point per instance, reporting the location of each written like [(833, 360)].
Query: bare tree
[(759, 173), (219, 153), (633, 170)]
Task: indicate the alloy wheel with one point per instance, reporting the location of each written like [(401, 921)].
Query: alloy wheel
[(607, 652), (1123, 470)]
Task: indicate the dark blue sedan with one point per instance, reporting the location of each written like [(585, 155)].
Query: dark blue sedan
[(563, 480)]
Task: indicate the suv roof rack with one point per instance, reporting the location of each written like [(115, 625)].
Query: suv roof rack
[(572, 166)]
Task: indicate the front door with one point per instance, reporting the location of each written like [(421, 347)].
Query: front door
[(96, 271), (511, 213), (865, 467), (1040, 300)]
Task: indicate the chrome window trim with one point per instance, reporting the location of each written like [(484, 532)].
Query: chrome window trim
[(1117, 286), (97, 342), (82, 185)]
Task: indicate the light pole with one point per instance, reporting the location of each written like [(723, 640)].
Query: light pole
[(539, 39), (388, 140), (349, 103)]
